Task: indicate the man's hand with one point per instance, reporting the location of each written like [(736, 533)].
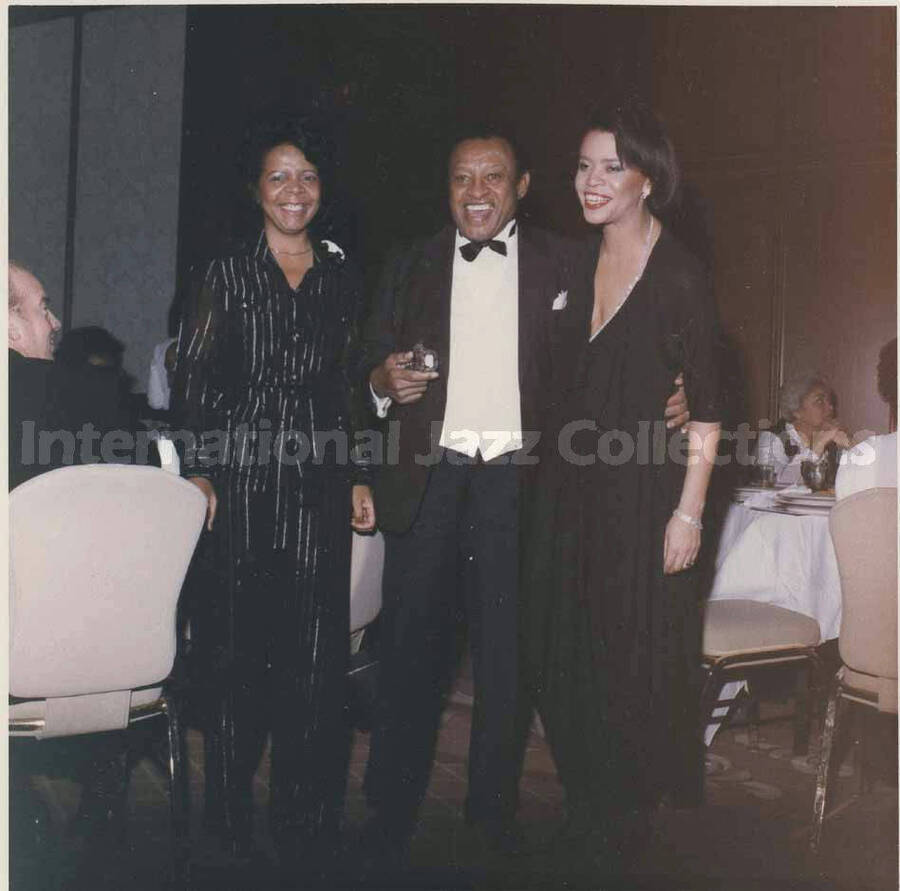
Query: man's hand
[(206, 487), (402, 384), (363, 517), (677, 413)]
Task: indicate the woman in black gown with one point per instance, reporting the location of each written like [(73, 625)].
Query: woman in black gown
[(613, 617), (263, 378)]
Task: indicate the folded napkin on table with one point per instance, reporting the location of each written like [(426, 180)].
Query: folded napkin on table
[(762, 498), (797, 489)]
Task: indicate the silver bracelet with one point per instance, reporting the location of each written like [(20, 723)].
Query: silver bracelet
[(687, 518)]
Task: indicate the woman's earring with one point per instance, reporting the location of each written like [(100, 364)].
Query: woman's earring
[(645, 193)]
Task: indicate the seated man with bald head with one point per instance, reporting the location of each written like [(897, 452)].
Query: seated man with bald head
[(61, 415), (58, 416)]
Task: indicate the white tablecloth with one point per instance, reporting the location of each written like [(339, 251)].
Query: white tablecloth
[(781, 559)]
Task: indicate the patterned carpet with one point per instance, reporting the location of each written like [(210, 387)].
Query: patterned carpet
[(750, 835)]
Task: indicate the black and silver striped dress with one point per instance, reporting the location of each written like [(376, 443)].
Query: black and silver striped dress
[(264, 380)]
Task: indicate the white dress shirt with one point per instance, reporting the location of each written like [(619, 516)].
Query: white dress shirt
[(484, 408), (158, 380), (770, 453)]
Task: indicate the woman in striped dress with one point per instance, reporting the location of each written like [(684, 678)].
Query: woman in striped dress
[(264, 382)]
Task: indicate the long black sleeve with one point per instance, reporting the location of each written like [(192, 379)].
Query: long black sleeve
[(198, 399)]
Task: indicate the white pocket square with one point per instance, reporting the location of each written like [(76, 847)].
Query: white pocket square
[(561, 300)]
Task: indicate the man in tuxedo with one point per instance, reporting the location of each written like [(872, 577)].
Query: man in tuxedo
[(482, 295)]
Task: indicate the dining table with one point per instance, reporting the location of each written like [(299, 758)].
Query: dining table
[(775, 547)]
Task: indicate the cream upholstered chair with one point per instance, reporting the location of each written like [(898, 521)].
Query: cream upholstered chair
[(864, 531), (742, 635), (98, 554), (366, 567)]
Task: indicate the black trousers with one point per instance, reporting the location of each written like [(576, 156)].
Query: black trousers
[(460, 555), (276, 642)]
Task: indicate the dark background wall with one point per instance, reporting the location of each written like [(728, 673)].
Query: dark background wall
[(381, 79), (784, 118), (786, 124), (395, 83)]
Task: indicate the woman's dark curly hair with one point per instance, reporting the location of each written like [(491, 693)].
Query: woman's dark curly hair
[(305, 133), (642, 143)]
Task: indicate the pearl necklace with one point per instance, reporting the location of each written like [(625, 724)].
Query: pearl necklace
[(291, 253), (633, 282)]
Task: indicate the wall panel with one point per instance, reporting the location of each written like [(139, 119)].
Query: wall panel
[(840, 80), (40, 89), (785, 120), (129, 157), (746, 249), (840, 300)]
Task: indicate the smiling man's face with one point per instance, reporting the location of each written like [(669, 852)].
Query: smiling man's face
[(485, 188)]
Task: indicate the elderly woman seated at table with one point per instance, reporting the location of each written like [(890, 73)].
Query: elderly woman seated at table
[(873, 461), (807, 430)]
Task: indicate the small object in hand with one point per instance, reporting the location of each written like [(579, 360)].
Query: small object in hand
[(422, 359)]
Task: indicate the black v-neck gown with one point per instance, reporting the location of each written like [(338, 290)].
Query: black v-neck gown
[(613, 645)]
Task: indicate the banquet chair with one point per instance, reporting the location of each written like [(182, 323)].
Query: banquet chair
[(864, 532), (98, 554), (740, 636), (366, 567)]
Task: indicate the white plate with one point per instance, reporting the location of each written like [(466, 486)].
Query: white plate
[(796, 510), (794, 494), (742, 493), (807, 510), (813, 500)]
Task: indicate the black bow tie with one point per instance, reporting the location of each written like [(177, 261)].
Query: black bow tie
[(471, 250)]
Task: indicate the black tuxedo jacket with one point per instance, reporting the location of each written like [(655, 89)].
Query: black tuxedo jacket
[(412, 305)]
